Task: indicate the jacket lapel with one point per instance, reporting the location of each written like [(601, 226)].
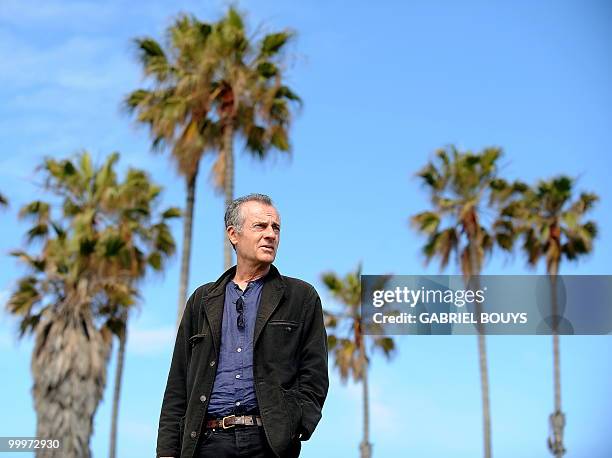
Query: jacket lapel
[(271, 295), (213, 306)]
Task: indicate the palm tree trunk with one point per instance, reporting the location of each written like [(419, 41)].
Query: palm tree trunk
[(484, 383), (482, 354), (186, 255), (118, 379), (228, 151), (69, 371), (365, 447), (557, 418)]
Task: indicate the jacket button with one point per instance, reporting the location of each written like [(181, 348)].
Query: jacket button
[(193, 434), (202, 398), (212, 363)]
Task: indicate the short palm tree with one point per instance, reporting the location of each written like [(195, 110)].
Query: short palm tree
[(248, 95), (550, 221), (135, 226), (461, 186), (348, 345), (78, 285)]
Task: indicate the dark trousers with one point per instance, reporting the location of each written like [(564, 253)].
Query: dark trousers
[(238, 441)]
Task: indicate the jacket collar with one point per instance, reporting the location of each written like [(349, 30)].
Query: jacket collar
[(271, 295), (218, 287)]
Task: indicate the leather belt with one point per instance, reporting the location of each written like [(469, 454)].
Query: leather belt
[(232, 420)]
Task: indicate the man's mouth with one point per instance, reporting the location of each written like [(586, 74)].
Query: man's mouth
[(271, 248)]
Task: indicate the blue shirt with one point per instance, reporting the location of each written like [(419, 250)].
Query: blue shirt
[(233, 391)]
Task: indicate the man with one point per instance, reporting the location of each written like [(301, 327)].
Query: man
[(249, 370)]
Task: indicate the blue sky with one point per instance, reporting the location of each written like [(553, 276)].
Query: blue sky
[(383, 86)]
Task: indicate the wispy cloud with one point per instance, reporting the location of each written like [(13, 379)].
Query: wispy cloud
[(5, 341), (77, 63), (56, 12), (4, 295), (393, 424), (9, 341), (146, 432), (151, 341)]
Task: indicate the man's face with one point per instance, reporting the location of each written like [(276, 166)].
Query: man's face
[(258, 240)]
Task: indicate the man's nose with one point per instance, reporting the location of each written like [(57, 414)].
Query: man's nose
[(270, 233)]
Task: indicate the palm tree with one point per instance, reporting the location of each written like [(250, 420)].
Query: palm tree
[(551, 223), (461, 185), (350, 353), (211, 84), (136, 198), (177, 110), (78, 286), (3, 201), (249, 96)]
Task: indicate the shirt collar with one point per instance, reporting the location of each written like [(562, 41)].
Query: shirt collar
[(250, 284)]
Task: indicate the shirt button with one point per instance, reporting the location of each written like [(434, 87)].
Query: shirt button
[(239, 350), (193, 434), (237, 375), (238, 403), (212, 363), (202, 398)]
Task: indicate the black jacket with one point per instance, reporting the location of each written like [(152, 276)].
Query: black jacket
[(289, 365)]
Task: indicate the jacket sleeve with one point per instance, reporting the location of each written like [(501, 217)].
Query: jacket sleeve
[(174, 403), (312, 375)]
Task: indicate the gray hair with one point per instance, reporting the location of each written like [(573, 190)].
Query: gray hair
[(233, 215)]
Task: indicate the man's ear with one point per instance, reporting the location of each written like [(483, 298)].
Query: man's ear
[(232, 235)]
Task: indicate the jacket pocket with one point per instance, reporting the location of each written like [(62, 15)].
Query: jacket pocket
[(294, 411), (181, 431), (288, 325), (196, 339), (281, 345)]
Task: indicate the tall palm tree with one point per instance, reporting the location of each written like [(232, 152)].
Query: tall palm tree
[(210, 85), (461, 186), (77, 287), (349, 345), (249, 96), (550, 221), (177, 110)]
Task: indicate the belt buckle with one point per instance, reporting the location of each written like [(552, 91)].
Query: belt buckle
[(223, 422)]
